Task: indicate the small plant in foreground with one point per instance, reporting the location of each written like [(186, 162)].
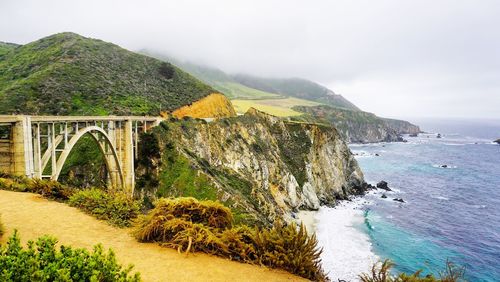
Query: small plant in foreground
[(42, 261), (2, 229), (116, 207), (381, 273), (189, 225)]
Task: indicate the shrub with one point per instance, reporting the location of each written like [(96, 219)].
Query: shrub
[(2, 229), (189, 225), (116, 207), (42, 261), (381, 273), (47, 188), (289, 248)]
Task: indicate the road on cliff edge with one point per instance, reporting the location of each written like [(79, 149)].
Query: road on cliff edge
[(34, 216)]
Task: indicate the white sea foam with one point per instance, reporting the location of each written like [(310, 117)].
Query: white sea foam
[(347, 250), (440, 197), (441, 166)]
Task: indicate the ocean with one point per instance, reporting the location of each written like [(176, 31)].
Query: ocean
[(450, 213)]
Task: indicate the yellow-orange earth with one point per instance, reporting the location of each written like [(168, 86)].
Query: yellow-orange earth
[(214, 105), (34, 216)]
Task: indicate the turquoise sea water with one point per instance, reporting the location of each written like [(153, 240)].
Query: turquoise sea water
[(450, 213)]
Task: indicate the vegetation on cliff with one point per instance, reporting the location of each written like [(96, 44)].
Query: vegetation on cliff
[(190, 225), (67, 74), (43, 261), (381, 273), (260, 166), (357, 126)]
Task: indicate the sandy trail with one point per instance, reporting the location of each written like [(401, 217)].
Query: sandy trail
[(34, 216)]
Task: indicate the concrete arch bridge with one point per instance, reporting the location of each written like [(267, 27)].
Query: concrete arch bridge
[(38, 146)]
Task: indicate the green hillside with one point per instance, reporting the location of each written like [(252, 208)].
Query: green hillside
[(296, 87), (216, 78), (263, 92), (6, 47), (67, 74)]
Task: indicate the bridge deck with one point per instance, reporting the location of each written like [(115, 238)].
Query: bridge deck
[(16, 118)]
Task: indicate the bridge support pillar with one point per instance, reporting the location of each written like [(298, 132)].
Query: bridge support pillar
[(126, 153), (22, 148)]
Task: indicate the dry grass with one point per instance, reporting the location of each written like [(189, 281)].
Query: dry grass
[(35, 216), (189, 225), (277, 107), (381, 272), (47, 188)]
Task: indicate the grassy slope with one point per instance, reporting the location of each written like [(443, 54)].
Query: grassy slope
[(6, 47), (34, 216), (67, 74), (297, 87), (278, 107), (217, 79)]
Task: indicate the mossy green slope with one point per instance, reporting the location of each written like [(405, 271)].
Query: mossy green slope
[(6, 47), (68, 74)]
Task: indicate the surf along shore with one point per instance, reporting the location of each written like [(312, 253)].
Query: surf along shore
[(347, 250)]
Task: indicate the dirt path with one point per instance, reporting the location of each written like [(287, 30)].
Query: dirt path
[(34, 216)]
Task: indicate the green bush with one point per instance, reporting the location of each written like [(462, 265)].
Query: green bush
[(116, 207), (50, 189), (2, 229), (189, 225), (42, 261), (47, 188), (381, 273)]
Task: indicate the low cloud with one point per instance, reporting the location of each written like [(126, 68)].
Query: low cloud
[(394, 58)]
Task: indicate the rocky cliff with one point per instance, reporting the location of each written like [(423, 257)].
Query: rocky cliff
[(402, 126), (358, 126), (261, 166)]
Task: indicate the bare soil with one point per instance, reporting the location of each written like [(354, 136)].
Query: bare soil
[(34, 216)]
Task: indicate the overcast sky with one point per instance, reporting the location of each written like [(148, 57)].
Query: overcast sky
[(396, 58)]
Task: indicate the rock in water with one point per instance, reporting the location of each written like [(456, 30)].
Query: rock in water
[(383, 185), (444, 166), (439, 135), (399, 200), (384, 196), (497, 141)]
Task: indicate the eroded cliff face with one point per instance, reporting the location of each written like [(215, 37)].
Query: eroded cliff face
[(261, 166), (214, 105), (358, 126), (402, 126)]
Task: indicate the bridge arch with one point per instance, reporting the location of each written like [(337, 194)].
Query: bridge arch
[(112, 164), (36, 141)]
